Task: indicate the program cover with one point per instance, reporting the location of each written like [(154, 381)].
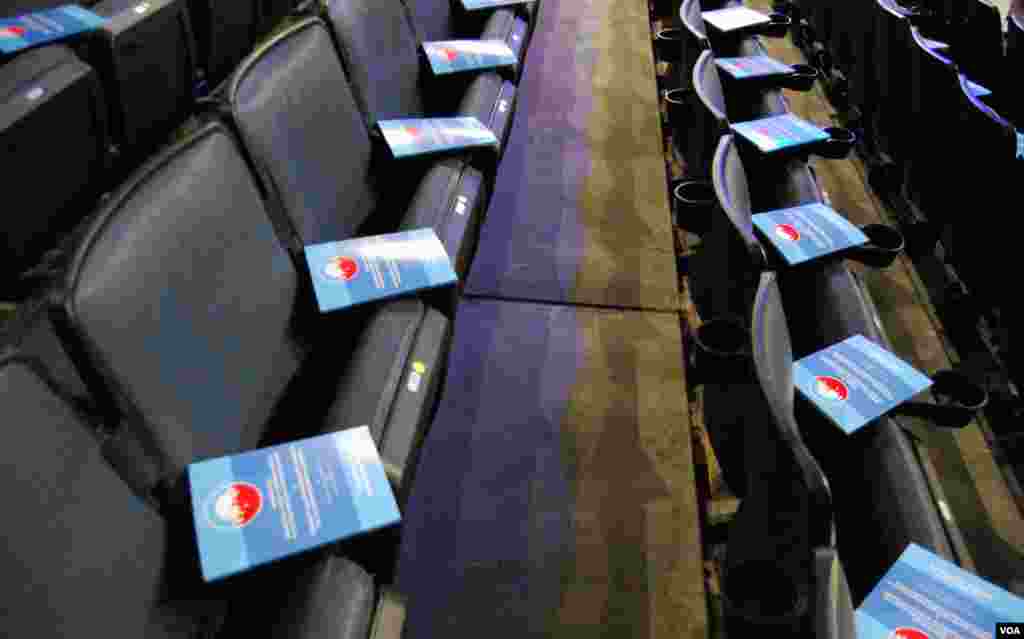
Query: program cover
[(924, 596), (779, 132), (453, 56), (46, 26), (256, 507), (856, 381), (364, 269), (802, 233), (417, 136)]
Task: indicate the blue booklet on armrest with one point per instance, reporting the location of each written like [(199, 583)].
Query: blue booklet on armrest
[(452, 56), (365, 269), (733, 18), (779, 132), (473, 5), (417, 136), (754, 66), (856, 381), (924, 596), (259, 506), (46, 26), (804, 232)]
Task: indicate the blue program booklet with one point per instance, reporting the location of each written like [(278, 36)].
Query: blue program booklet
[(452, 56), (754, 66), (924, 596), (474, 5), (733, 18), (364, 269), (417, 136), (46, 26), (856, 381), (779, 132), (259, 506), (804, 232)]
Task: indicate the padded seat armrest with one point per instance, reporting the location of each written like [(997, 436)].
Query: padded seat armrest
[(450, 200), (390, 382), (333, 599)]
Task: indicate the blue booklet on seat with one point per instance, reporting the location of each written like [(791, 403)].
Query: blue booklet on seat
[(417, 136), (779, 132), (856, 381), (733, 18), (754, 66), (453, 56), (802, 233), (46, 26), (978, 90), (924, 596), (365, 269), (256, 507), (474, 5)]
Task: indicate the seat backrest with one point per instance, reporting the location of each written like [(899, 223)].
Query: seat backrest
[(381, 56), (892, 44), (433, 19), (182, 300), (225, 31), (299, 120), (773, 364), (47, 94), (708, 121), (730, 179), (145, 54), (81, 540)]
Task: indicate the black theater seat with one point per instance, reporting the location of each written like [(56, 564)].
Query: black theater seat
[(225, 31), (82, 539), (891, 42), (784, 529), (933, 107), (145, 55), (199, 333), (49, 100), (390, 78), (299, 119)]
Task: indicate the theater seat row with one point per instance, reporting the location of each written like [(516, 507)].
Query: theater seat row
[(931, 91), (176, 322), (112, 97), (876, 483)]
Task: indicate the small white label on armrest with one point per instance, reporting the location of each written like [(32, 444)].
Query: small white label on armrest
[(502, 106), (460, 204)]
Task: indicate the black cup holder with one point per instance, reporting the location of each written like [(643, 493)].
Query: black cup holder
[(720, 351), (760, 594), (802, 78), (838, 144), (668, 44), (694, 201), (957, 401), (885, 243), (679, 106)]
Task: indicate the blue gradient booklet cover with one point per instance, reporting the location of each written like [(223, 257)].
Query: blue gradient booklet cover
[(453, 56), (733, 18), (804, 232), (754, 66), (779, 132), (46, 26), (417, 136), (924, 596), (856, 381), (259, 506), (473, 5), (364, 269)]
